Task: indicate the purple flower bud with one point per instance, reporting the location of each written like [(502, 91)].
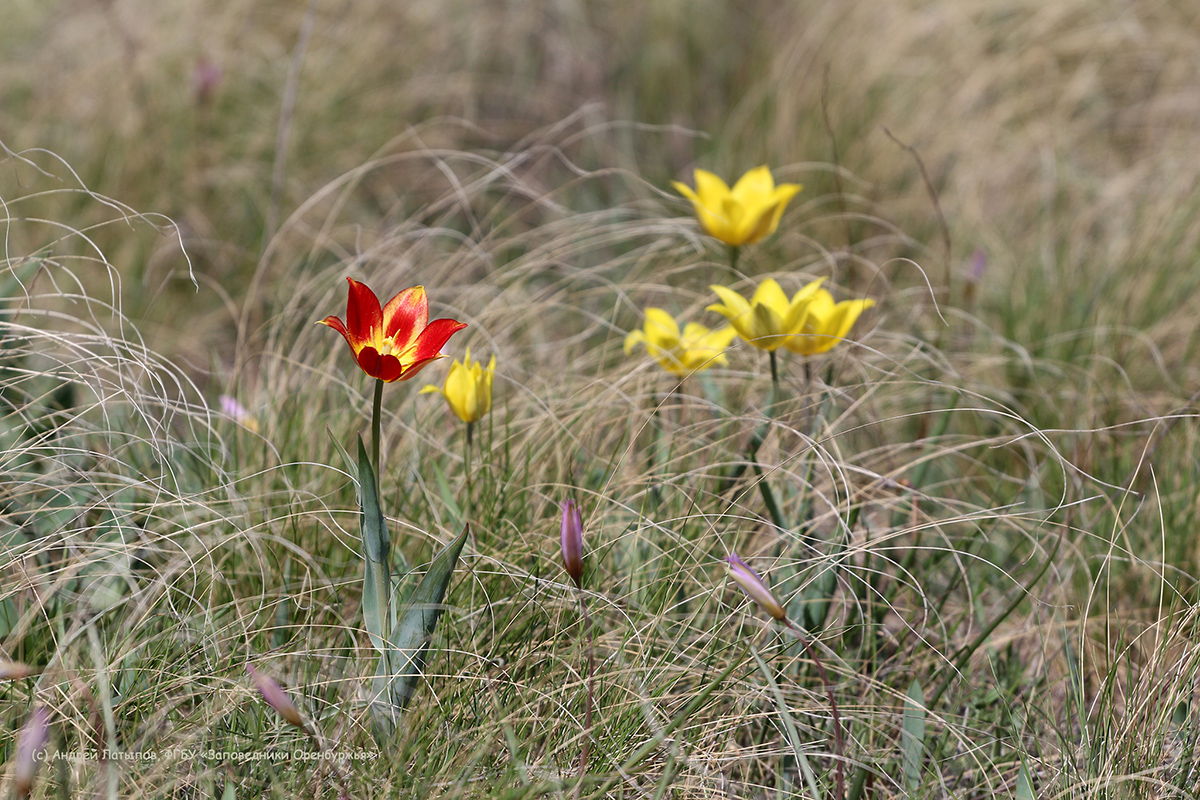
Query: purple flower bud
[(230, 407), (754, 586), (15, 670), (31, 745), (572, 541), (276, 698), (206, 77), (978, 266)]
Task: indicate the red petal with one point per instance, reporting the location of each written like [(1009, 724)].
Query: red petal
[(405, 316), (387, 368), (413, 369), (432, 339), (369, 359), (364, 317)]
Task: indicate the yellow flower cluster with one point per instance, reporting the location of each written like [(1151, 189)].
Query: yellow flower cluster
[(810, 323)]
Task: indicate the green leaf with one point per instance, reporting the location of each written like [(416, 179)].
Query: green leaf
[(377, 582), (912, 735), (230, 792), (1024, 786), (404, 661), (350, 466)]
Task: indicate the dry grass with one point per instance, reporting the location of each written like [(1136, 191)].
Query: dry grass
[(514, 158)]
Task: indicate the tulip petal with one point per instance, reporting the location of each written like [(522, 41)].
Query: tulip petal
[(460, 393), (661, 328), (734, 308), (754, 189), (633, 340), (364, 317), (770, 294), (429, 342), (782, 196), (709, 220), (405, 316), (768, 328)]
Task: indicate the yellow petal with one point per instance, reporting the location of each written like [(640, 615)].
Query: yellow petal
[(768, 327), (661, 329), (771, 295), (736, 309), (794, 319), (712, 189), (633, 339), (754, 188)]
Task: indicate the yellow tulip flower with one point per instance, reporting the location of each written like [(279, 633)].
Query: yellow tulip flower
[(825, 323), (468, 388), (695, 349), (768, 319), (743, 215)]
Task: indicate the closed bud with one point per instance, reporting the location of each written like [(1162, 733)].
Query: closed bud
[(15, 670), (572, 541), (754, 586), (276, 697), (31, 744)]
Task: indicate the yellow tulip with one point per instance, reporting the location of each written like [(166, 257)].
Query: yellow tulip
[(743, 215), (695, 349), (468, 388), (825, 323), (767, 320)]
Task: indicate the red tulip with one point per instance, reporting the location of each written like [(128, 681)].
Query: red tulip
[(394, 342)]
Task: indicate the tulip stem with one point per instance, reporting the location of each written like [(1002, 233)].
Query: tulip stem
[(470, 472), (376, 418), (774, 380), (734, 252), (840, 769), (585, 750)]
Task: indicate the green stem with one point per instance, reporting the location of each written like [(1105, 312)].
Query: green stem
[(774, 378), (587, 714), (376, 418), (470, 472), (734, 252)]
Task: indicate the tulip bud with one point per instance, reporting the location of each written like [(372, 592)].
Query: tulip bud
[(276, 698), (15, 670), (31, 744), (572, 541), (754, 586)]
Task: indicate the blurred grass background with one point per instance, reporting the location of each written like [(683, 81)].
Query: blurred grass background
[(199, 177)]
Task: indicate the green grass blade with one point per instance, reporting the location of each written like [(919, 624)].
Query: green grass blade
[(912, 735)]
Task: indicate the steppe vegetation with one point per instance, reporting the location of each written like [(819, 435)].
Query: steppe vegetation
[(980, 507)]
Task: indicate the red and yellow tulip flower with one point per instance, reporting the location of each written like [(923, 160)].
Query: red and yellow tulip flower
[(396, 341)]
